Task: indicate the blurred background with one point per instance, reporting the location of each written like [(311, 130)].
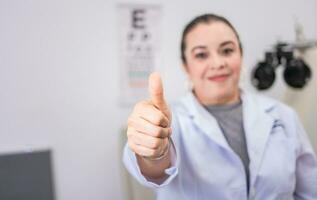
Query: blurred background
[(60, 79)]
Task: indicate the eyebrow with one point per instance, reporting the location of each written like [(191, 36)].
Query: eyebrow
[(205, 47), (226, 43), (198, 47)]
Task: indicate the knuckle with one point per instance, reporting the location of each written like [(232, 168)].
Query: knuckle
[(157, 132), (134, 138), (168, 132), (153, 152), (161, 121), (130, 132), (158, 119), (165, 132), (133, 122), (135, 148), (156, 144)]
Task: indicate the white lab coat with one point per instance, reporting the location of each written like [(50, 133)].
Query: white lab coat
[(282, 166)]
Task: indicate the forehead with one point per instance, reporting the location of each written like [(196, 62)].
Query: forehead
[(213, 33)]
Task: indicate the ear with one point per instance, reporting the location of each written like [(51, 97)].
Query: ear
[(189, 83), (185, 67)]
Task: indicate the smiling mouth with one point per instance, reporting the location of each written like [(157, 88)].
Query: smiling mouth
[(219, 78)]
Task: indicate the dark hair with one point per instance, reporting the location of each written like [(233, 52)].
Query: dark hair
[(206, 18)]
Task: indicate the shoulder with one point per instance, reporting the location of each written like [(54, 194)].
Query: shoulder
[(283, 116), (281, 113), (269, 105)]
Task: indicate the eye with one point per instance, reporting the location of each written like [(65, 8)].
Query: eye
[(201, 55), (227, 51)]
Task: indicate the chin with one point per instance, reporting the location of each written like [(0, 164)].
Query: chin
[(220, 95)]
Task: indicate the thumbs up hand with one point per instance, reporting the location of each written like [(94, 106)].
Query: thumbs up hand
[(157, 94), (149, 124)]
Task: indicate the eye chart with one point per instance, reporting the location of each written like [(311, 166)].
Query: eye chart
[(139, 39)]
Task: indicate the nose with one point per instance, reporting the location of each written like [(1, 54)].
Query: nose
[(216, 62)]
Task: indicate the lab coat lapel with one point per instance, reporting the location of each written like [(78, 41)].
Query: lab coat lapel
[(206, 122), (258, 124)]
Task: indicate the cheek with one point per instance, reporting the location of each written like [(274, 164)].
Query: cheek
[(196, 71), (235, 67)]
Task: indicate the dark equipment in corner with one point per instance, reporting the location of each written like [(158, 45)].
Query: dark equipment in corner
[(26, 176), (296, 72)]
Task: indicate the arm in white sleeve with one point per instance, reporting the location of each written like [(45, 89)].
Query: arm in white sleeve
[(306, 167), (130, 161)]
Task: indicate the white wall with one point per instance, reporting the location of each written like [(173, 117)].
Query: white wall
[(304, 101), (59, 77)]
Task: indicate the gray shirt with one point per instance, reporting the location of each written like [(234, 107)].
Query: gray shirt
[(230, 120)]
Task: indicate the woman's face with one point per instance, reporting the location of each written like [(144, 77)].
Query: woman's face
[(213, 63)]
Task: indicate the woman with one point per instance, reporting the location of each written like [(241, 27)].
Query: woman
[(222, 142)]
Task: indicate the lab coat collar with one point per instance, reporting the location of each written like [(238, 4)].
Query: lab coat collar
[(258, 120), (204, 120), (259, 116)]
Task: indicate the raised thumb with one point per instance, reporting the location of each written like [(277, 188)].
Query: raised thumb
[(157, 93)]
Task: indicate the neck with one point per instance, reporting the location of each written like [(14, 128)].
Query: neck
[(222, 100)]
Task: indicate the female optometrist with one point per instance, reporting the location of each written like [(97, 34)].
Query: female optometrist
[(218, 142)]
